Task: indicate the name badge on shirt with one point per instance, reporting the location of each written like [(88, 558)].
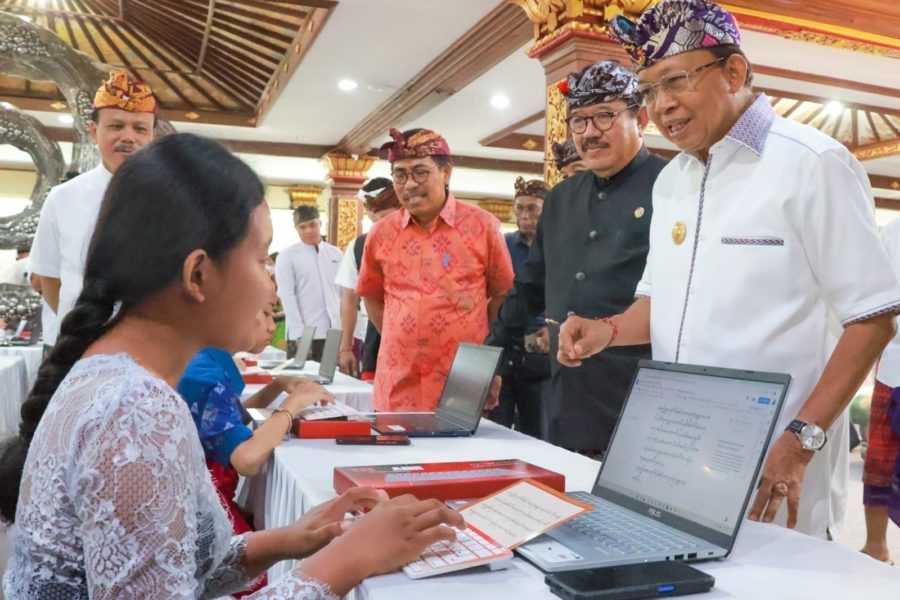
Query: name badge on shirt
[(679, 232)]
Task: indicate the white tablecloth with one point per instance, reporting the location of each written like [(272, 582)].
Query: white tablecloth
[(33, 356), (346, 389), (768, 562), (13, 389)]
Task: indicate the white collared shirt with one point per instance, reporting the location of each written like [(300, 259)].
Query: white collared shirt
[(306, 287), (347, 277), (889, 365), (64, 232), (780, 247)]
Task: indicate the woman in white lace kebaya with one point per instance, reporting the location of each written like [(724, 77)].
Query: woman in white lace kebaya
[(115, 499)]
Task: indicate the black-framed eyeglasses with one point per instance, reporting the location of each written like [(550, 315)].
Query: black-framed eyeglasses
[(419, 175), (603, 121), (676, 83)]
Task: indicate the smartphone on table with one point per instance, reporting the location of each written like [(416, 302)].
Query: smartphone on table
[(373, 440), (630, 582)]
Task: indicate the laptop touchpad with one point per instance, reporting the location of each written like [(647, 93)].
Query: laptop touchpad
[(550, 551)]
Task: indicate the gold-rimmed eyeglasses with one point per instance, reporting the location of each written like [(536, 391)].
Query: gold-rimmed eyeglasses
[(676, 83)]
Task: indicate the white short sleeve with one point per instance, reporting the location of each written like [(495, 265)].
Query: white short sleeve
[(842, 243), (45, 257), (347, 273)]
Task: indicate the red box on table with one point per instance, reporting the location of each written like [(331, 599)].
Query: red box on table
[(331, 429), (446, 480)]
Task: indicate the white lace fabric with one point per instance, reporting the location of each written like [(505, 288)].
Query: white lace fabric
[(116, 500)]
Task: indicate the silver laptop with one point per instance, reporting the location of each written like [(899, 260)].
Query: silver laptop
[(305, 343), (462, 399), (679, 471), (328, 365)]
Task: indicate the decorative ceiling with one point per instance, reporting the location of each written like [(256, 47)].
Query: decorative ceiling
[(212, 61)]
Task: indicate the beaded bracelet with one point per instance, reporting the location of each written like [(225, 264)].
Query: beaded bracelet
[(615, 332), (288, 413)]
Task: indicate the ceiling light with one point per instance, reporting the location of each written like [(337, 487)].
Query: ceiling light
[(500, 101), (347, 85), (834, 108), (67, 119)]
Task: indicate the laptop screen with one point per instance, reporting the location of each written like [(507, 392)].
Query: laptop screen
[(330, 353), (690, 444), (468, 383)]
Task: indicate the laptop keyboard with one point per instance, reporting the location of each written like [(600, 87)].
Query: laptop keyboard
[(470, 549), (335, 410), (622, 532)]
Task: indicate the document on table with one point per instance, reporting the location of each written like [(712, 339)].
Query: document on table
[(521, 512), (496, 525)]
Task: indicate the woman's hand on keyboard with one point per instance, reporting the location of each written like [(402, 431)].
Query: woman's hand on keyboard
[(326, 521), (306, 393), (392, 535)]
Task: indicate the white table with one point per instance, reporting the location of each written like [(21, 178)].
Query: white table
[(13, 390), (768, 562), (33, 356), (349, 390)]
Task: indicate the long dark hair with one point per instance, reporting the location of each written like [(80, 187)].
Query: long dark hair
[(178, 194)]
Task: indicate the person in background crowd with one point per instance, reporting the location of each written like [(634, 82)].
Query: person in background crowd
[(433, 275), (122, 122), (360, 340), (212, 387), (305, 274), (745, 268), (527, 363), (566, 158), (881, 471), (588, 254), (115, 497)]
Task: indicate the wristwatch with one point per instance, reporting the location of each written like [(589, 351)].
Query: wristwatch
[(811, 436)]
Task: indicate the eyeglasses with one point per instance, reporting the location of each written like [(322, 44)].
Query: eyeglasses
[(420, 175), (676, 83), (603, 121)]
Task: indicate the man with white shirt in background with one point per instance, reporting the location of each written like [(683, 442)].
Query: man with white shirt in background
[(360, 340), (305, 273), (122, 123)]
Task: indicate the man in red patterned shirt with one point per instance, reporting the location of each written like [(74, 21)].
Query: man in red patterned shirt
[(433, 275)]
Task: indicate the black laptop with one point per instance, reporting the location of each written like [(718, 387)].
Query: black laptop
[(462, 400)]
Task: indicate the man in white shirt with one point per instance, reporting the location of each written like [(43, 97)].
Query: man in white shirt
[(305, 273), (763, 238), (122, 123), (359, 340)]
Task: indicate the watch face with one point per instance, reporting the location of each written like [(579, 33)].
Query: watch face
[(812, 437)]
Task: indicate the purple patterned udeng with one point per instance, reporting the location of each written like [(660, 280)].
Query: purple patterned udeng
[(675, 26)]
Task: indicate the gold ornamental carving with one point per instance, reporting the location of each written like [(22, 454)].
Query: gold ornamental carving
[(879, 150), (348, 220), (557, 130), (502, 209), (823, 39), (305, 195), (553, 19), (341, 165)]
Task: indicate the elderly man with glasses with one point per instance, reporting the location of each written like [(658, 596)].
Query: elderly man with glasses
[(764, 254), (588, 254), (433, 275)]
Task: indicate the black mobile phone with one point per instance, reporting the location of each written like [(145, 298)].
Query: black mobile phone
[(630, 582), (374, 440)]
